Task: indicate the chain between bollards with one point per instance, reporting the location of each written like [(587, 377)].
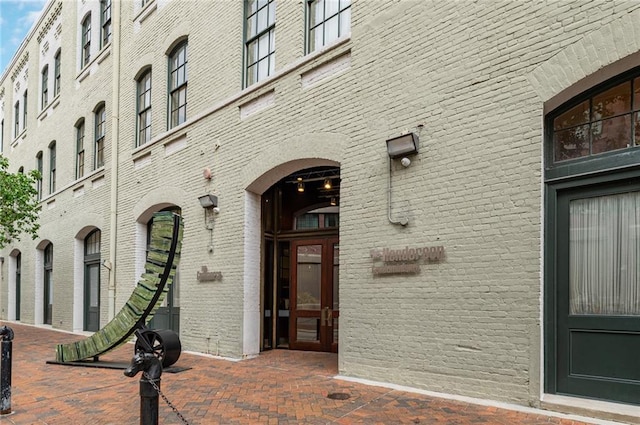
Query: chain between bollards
[(5, 369)]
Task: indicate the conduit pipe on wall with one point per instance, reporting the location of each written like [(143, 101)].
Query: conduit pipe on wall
[(115, 132)]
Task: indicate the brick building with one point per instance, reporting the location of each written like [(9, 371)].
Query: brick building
[(499, 261)]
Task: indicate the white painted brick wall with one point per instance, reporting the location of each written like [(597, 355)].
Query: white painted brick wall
[(474, 74)]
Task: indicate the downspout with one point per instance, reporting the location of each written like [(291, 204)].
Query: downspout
[(115, 133)]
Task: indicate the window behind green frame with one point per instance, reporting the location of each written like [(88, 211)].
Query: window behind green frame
[(144, 109), (178, 78), (260, 44), (328, 20)]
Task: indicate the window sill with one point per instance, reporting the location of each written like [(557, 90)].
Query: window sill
[(166, 138), (19, 138), (89, 68), (147, 10), (48, 110), (75, 185)]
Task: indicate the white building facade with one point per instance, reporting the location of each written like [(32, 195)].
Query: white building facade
[(498, 261)]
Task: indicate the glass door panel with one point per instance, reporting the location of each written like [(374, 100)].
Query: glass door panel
[(314, 312), (598, 287)]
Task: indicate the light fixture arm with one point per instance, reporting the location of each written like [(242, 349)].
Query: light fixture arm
[(403, 221)]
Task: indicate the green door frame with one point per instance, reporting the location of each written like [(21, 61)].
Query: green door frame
[(553, 268)]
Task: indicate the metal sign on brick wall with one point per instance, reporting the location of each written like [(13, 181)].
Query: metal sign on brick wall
[(204, 275), (404, 261)]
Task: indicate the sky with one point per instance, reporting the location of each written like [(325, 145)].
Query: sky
[(16, 19)]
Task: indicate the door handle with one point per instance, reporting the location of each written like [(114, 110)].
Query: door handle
[(326, 317)]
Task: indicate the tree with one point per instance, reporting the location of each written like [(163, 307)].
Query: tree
[(19, 206)]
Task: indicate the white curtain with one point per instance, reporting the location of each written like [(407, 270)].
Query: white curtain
[(604, 249)]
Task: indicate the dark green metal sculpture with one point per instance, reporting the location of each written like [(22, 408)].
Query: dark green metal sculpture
[(162, 260)]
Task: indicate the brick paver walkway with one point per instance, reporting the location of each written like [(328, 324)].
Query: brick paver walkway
[(278, 387)]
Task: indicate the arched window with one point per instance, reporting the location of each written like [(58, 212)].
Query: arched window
[(178, 78), (85, 47), (168, 315), (39, 180), (56, 73), (597, 130), (48, 284), (100, 131), (144, 108), (45, 87), (80, 149), (92, 281), (18, 283), (52, 167)]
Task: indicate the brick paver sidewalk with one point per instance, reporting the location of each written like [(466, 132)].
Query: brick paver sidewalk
[(278, 387)]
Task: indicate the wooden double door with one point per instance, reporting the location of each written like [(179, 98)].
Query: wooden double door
[(313, 310)]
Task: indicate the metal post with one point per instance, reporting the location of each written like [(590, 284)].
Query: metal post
[(149, 400), (151, 369), (5, 369)]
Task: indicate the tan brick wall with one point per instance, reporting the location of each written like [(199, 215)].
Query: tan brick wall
[(474, 75)]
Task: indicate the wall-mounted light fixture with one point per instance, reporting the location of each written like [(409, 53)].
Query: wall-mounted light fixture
[(404, 145), (400, 147), (210, 204), (327, 184), (300, 185), (208, 201)]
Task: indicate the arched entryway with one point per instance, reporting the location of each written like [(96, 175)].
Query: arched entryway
[(167, 316), (300, 239)]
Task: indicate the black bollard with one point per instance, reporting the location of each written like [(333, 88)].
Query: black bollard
[(5, 369), (151, 369)]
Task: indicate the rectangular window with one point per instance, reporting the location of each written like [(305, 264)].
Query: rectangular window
[(45, 87), (56, 70), (604, 247), (52, 168), (86, 41), (328, 20), (80, 150), (144, 109), (260, 28), (24, 110), (101, 119), (16, 117), (39, 181), (178, 78), (105, 19)]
